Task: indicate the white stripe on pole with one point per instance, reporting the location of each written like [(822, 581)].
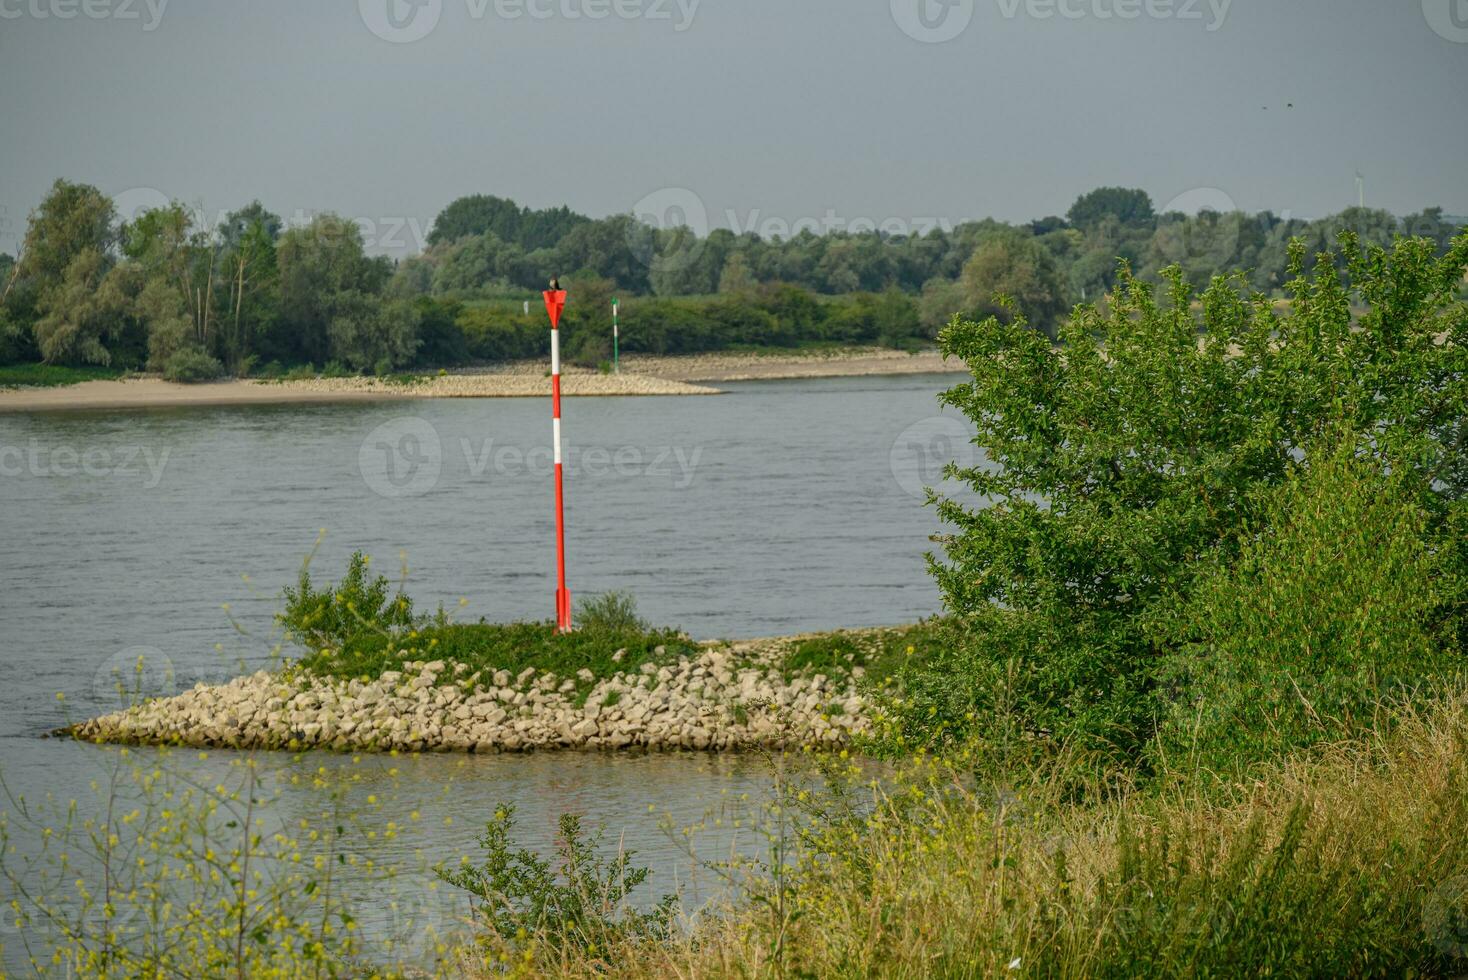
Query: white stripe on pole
[(555, 352), (556, 426)]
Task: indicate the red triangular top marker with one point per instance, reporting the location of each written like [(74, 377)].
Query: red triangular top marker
[(555, 302)]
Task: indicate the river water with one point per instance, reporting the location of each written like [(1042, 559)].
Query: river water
[(775, 508)]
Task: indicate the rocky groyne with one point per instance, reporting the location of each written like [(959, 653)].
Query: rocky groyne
[(718, 699)]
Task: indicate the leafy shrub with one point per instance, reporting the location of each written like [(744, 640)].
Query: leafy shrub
[(301, 372), (191, 365), (1119, 460), (336, 615), (581, 906), (613, 612), (1324, 614)]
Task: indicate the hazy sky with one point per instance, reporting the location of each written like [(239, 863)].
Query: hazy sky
[(833, 111)]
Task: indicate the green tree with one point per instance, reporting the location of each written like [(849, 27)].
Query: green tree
[(1328, 609), (65, 254), (321, 267), (176, 284), (1121, 464), (83, 312), (736, 279), (72, 219), (481, 214), (369, 333), (1019, 268), (1129, 206), (250, 267)]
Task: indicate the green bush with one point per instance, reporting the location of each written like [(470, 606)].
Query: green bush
[(610, 612), (1325, 614), (191, 365), (580, 906), (357, 606), (1124, 463)]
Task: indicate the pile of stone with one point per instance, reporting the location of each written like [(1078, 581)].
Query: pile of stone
[(715, 700)]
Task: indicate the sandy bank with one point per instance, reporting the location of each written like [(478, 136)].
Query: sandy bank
[(641, 376), (156, 393), (728, 697), (852, 362)]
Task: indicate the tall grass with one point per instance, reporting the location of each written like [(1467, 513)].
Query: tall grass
[(1349, 862)]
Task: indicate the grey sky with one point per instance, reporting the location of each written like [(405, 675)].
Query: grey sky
[(791, 109)]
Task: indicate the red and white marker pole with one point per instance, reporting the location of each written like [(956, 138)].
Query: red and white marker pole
[(555, 302)]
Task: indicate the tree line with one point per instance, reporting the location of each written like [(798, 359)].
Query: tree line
[(163, 290)]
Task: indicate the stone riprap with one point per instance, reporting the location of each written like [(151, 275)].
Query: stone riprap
[(718, 699)]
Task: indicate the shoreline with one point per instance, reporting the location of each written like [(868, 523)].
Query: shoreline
[(643, 376), (723, 697)]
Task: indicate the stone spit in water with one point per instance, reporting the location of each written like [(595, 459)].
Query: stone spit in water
[(719, 699)]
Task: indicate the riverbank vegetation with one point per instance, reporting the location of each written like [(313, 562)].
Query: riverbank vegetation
[(193, 296), (1202, 711)]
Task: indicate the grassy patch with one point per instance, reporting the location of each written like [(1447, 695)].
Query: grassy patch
[(53, 375), (502, 646), (883, 654)]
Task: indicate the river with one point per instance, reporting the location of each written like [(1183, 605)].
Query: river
[(778, 507)]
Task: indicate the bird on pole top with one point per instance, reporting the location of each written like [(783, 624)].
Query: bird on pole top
[(555, 284)]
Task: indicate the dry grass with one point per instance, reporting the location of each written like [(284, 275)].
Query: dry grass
[(1351, 863)]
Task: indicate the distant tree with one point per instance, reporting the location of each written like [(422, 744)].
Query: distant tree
[(940, 300), (475, 215), (414, 276), (61, 281), (177, 275), (684, 264), (369, 333), (619, 248), (473, 264), (895, 318), (736, 280), (321, 266), (71, 220), (251, 219), (249, 264), (1429, 223), (1046, 225), (1018, 267), (852, 263), (1129, 206), (1203, 245), (480, 214), (587, 322), (83, 312), (441, 340)]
